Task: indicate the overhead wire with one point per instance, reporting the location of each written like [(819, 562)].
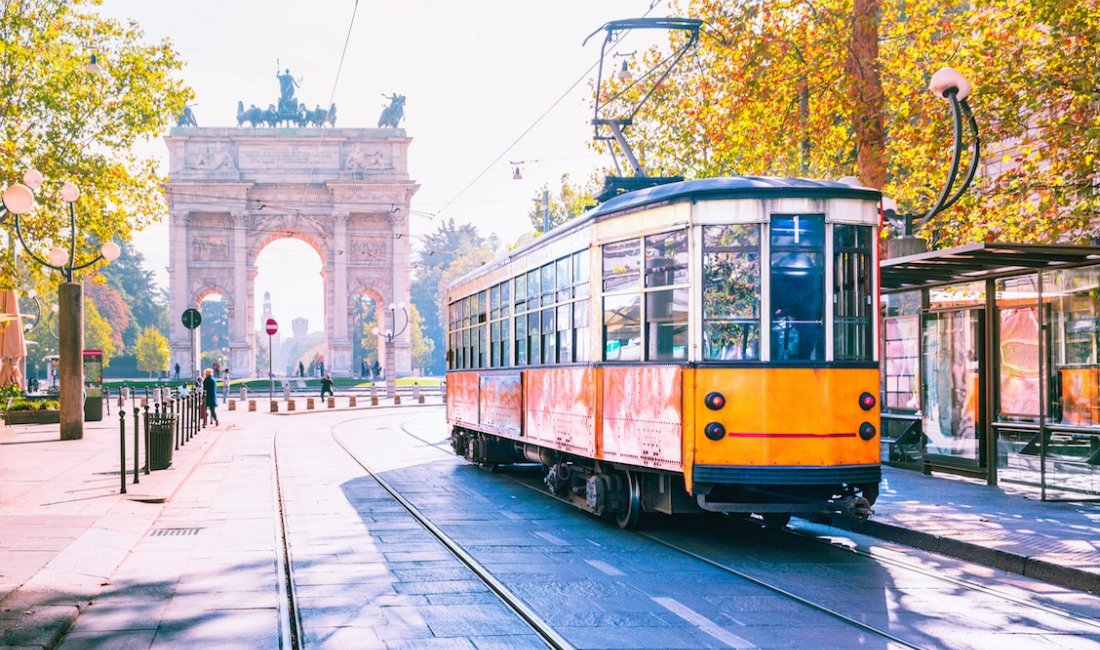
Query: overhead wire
[(652, 5), (340, 66)]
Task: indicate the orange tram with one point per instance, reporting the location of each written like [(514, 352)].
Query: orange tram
[(705, 345)]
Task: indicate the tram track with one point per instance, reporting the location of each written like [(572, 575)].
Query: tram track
[(289, 617), (879, 559)]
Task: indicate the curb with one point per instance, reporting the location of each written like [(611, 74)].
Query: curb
[(1036, 569)]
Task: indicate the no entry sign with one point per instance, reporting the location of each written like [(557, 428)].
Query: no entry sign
[(272, 327)]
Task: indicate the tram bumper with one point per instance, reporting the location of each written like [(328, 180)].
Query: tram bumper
[(848, 490)]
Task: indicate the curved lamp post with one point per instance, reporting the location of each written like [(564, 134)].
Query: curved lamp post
[(391, 354), (18, 199), (954, 88)]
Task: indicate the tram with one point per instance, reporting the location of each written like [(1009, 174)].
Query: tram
[(705, 345)]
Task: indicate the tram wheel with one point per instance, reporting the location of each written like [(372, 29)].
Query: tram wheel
[(631, 514), (776, 520)]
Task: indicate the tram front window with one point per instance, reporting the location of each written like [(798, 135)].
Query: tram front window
[(797, 288)]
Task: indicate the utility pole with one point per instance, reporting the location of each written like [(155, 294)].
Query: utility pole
[(546, 210)]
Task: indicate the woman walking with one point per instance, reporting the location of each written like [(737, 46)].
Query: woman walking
[(210, 391)]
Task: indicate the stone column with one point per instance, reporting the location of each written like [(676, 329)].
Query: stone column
[(339, 344), (179, 336), (241, 361), (401, 345)]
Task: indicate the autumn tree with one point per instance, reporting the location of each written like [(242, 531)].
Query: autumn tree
[(74, 125), (795, 88), (422, 347), (569, 201), (97, 333), (151, 350)]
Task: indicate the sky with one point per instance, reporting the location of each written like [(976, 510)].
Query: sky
[(477, 75)]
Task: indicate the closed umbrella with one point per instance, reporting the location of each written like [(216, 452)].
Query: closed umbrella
[(12, 347)]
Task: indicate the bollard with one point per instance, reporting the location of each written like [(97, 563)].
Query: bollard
[(274, 406), (122, 448), (231, 405), (137, 433), (309, 403), (286, 392), (251, 405), (155, 412), (351, 401), (332, 402), (176, 421), (244, 393), (396, 399), (145, 402), (290, 405), (416, 392)]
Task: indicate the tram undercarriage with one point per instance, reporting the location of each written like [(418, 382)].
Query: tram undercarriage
[(624, 493)]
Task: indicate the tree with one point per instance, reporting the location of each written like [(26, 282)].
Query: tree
[(136, 285), (441, 249), (214, 331), (97, 333), (422, 347), (151, 350), (796, 88), (571, 200), (112, 307), (76, 126)]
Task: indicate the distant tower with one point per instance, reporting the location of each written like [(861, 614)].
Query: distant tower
[(267, 305), (300, 327)]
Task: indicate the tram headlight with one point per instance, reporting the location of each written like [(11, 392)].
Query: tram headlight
[(866, 401), (714, 400), (867, 431), (715, 431)]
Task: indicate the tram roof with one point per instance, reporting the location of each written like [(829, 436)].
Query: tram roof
[(980, 261), (735, 187)]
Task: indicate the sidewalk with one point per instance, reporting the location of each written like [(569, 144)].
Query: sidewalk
[(65, 529), (999, 527)]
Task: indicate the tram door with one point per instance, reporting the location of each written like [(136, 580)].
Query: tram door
[(954, 371)]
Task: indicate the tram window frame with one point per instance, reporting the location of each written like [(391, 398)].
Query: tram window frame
[(549, 335), (533, 279), (564, 332), (853, 308), (580, 261), (521, 339), (505, 342), (546, 273), (665, 337), (564, 276), (534, 339), (625, 276), (630, 300), (797, 297), (581, 330), (738, 326)]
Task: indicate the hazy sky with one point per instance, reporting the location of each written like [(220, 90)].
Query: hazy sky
[(476, 76)]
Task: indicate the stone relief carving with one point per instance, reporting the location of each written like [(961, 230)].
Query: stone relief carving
[(360, 159), (214, 157), (210, 248), (368, 249)]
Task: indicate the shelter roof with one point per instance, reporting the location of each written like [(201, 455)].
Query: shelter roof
[(980, 261)]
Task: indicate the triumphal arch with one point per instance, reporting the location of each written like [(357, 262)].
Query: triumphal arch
[(345, 192)]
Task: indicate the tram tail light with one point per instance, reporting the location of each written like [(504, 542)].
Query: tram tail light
[(714, 400), (867, 431), (715, 431), (866, 401)]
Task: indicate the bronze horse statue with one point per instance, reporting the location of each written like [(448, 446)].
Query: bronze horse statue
[(320, 117), (394, 113)]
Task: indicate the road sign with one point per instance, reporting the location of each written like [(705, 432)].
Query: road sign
[(192, 318), (272, 327)]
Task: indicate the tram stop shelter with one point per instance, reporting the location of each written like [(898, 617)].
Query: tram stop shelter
[(991, 365)]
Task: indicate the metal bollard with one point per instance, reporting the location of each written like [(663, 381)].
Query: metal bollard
[(146, 446), (244, 393), (176, 420), (137, 432), (286, 392), (416, 393), (122, 448)]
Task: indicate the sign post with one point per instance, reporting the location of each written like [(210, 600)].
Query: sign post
[(192, 318), (271, 326)]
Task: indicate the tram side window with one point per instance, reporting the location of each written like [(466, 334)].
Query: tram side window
[(565, 279), (534, 337), (581, 331), (622, 327), (666, 309), (797, 288), (521, 340), (505, 342), (580, 274), (852, 308), (731, 292), (549, 338), (565, 333)]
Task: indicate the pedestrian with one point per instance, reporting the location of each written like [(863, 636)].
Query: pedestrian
[(210, 393), (225, 375), (217, 369), (177, 372), (301, 369), (326, 386)]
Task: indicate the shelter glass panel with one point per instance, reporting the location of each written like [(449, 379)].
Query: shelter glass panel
[(952, 383), (1073, 296), (901, 351), (1018, 348)]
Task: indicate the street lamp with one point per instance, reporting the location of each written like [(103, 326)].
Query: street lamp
[(518, 176), (391, 354), (18, 199), (954, 88)]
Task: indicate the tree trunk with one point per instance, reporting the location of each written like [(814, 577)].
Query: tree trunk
[(866, 93)]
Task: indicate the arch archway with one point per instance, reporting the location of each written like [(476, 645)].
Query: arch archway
[(274, 184)]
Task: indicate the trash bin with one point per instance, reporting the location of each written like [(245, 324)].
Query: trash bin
[(162, 433)]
